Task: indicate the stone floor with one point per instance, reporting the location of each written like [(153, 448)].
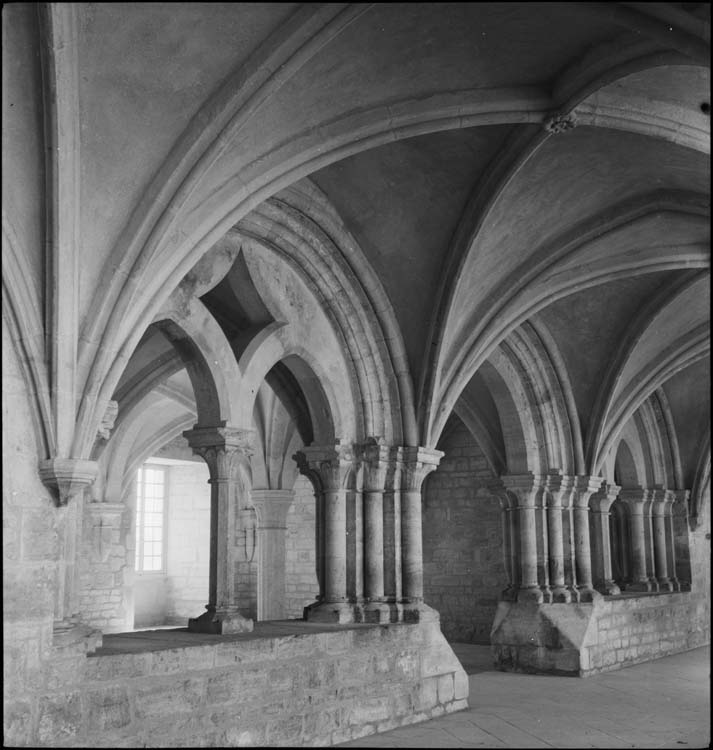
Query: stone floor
[(658, 704)]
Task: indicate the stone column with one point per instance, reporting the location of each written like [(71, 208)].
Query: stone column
[(333, 469), (585, 487), (649, 538), (599, 504), (634, 500), (675, 499), (227, 451), (271, 507), (525, 488), (418, 463), (392, 527), (375, 464), (658, 506), (679, 532), (557, 486), (67, 478)]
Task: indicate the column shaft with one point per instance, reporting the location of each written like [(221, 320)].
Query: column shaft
[(374, 545), (600, 504), (556, 487), (584, 488), (634, 500), (335, 545)]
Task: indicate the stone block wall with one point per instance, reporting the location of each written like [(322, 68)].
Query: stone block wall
[(316, 688), (188, 541), (31, 550), (632, 630), (103, 600), (301, 585), (462, 541)]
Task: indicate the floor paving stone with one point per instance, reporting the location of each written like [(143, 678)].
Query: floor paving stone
[(660, 704)]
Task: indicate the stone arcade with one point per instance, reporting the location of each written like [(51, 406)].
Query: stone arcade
[(334, 333)]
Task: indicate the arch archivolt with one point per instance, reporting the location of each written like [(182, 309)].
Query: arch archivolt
[(579, 259), (192, 201)]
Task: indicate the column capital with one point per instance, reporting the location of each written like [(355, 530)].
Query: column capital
[(634, 498), (66, 477), (377, 460), (333, 465), (524, 486), (602, 500), (584, 487), (418, 463), (225, 449), (221, 436), (557, 486), (272, 507)]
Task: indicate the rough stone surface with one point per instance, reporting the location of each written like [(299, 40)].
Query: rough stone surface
[(308, 689), (462, 542)]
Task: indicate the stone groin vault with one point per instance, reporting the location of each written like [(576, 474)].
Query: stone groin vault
[(385, 323)]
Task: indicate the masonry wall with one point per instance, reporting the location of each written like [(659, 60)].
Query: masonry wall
[(188, 541), (31, 550), (105, 599), (462, 541), (301, 585), (317, 688)]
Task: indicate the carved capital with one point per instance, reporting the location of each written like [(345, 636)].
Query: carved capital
[(602, 500), (271, 507), (558, 490), (332, 467), (524, 487), (584, 487), (560, 122), (418, 463), (635, 498), (377, 464), (66, 477), (226, 450)]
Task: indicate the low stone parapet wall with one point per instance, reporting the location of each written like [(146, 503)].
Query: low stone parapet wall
[(610, 633), (312, 688), (639, 628)]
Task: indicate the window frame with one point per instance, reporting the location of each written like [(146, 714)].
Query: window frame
[(139, 520)]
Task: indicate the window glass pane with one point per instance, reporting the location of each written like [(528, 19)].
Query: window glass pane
[(150, 491)]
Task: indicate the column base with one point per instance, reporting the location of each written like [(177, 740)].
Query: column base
[(378, 611), (608, 588), (588, 594), (341, 613), (665, 585), (561, 595), (418, 612), (638, 586), (532, 595), (220, 622)]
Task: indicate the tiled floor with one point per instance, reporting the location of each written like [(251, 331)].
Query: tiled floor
[(659, 704)]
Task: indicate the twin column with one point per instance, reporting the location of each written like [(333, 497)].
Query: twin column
[(546, 533), (371, 516)]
